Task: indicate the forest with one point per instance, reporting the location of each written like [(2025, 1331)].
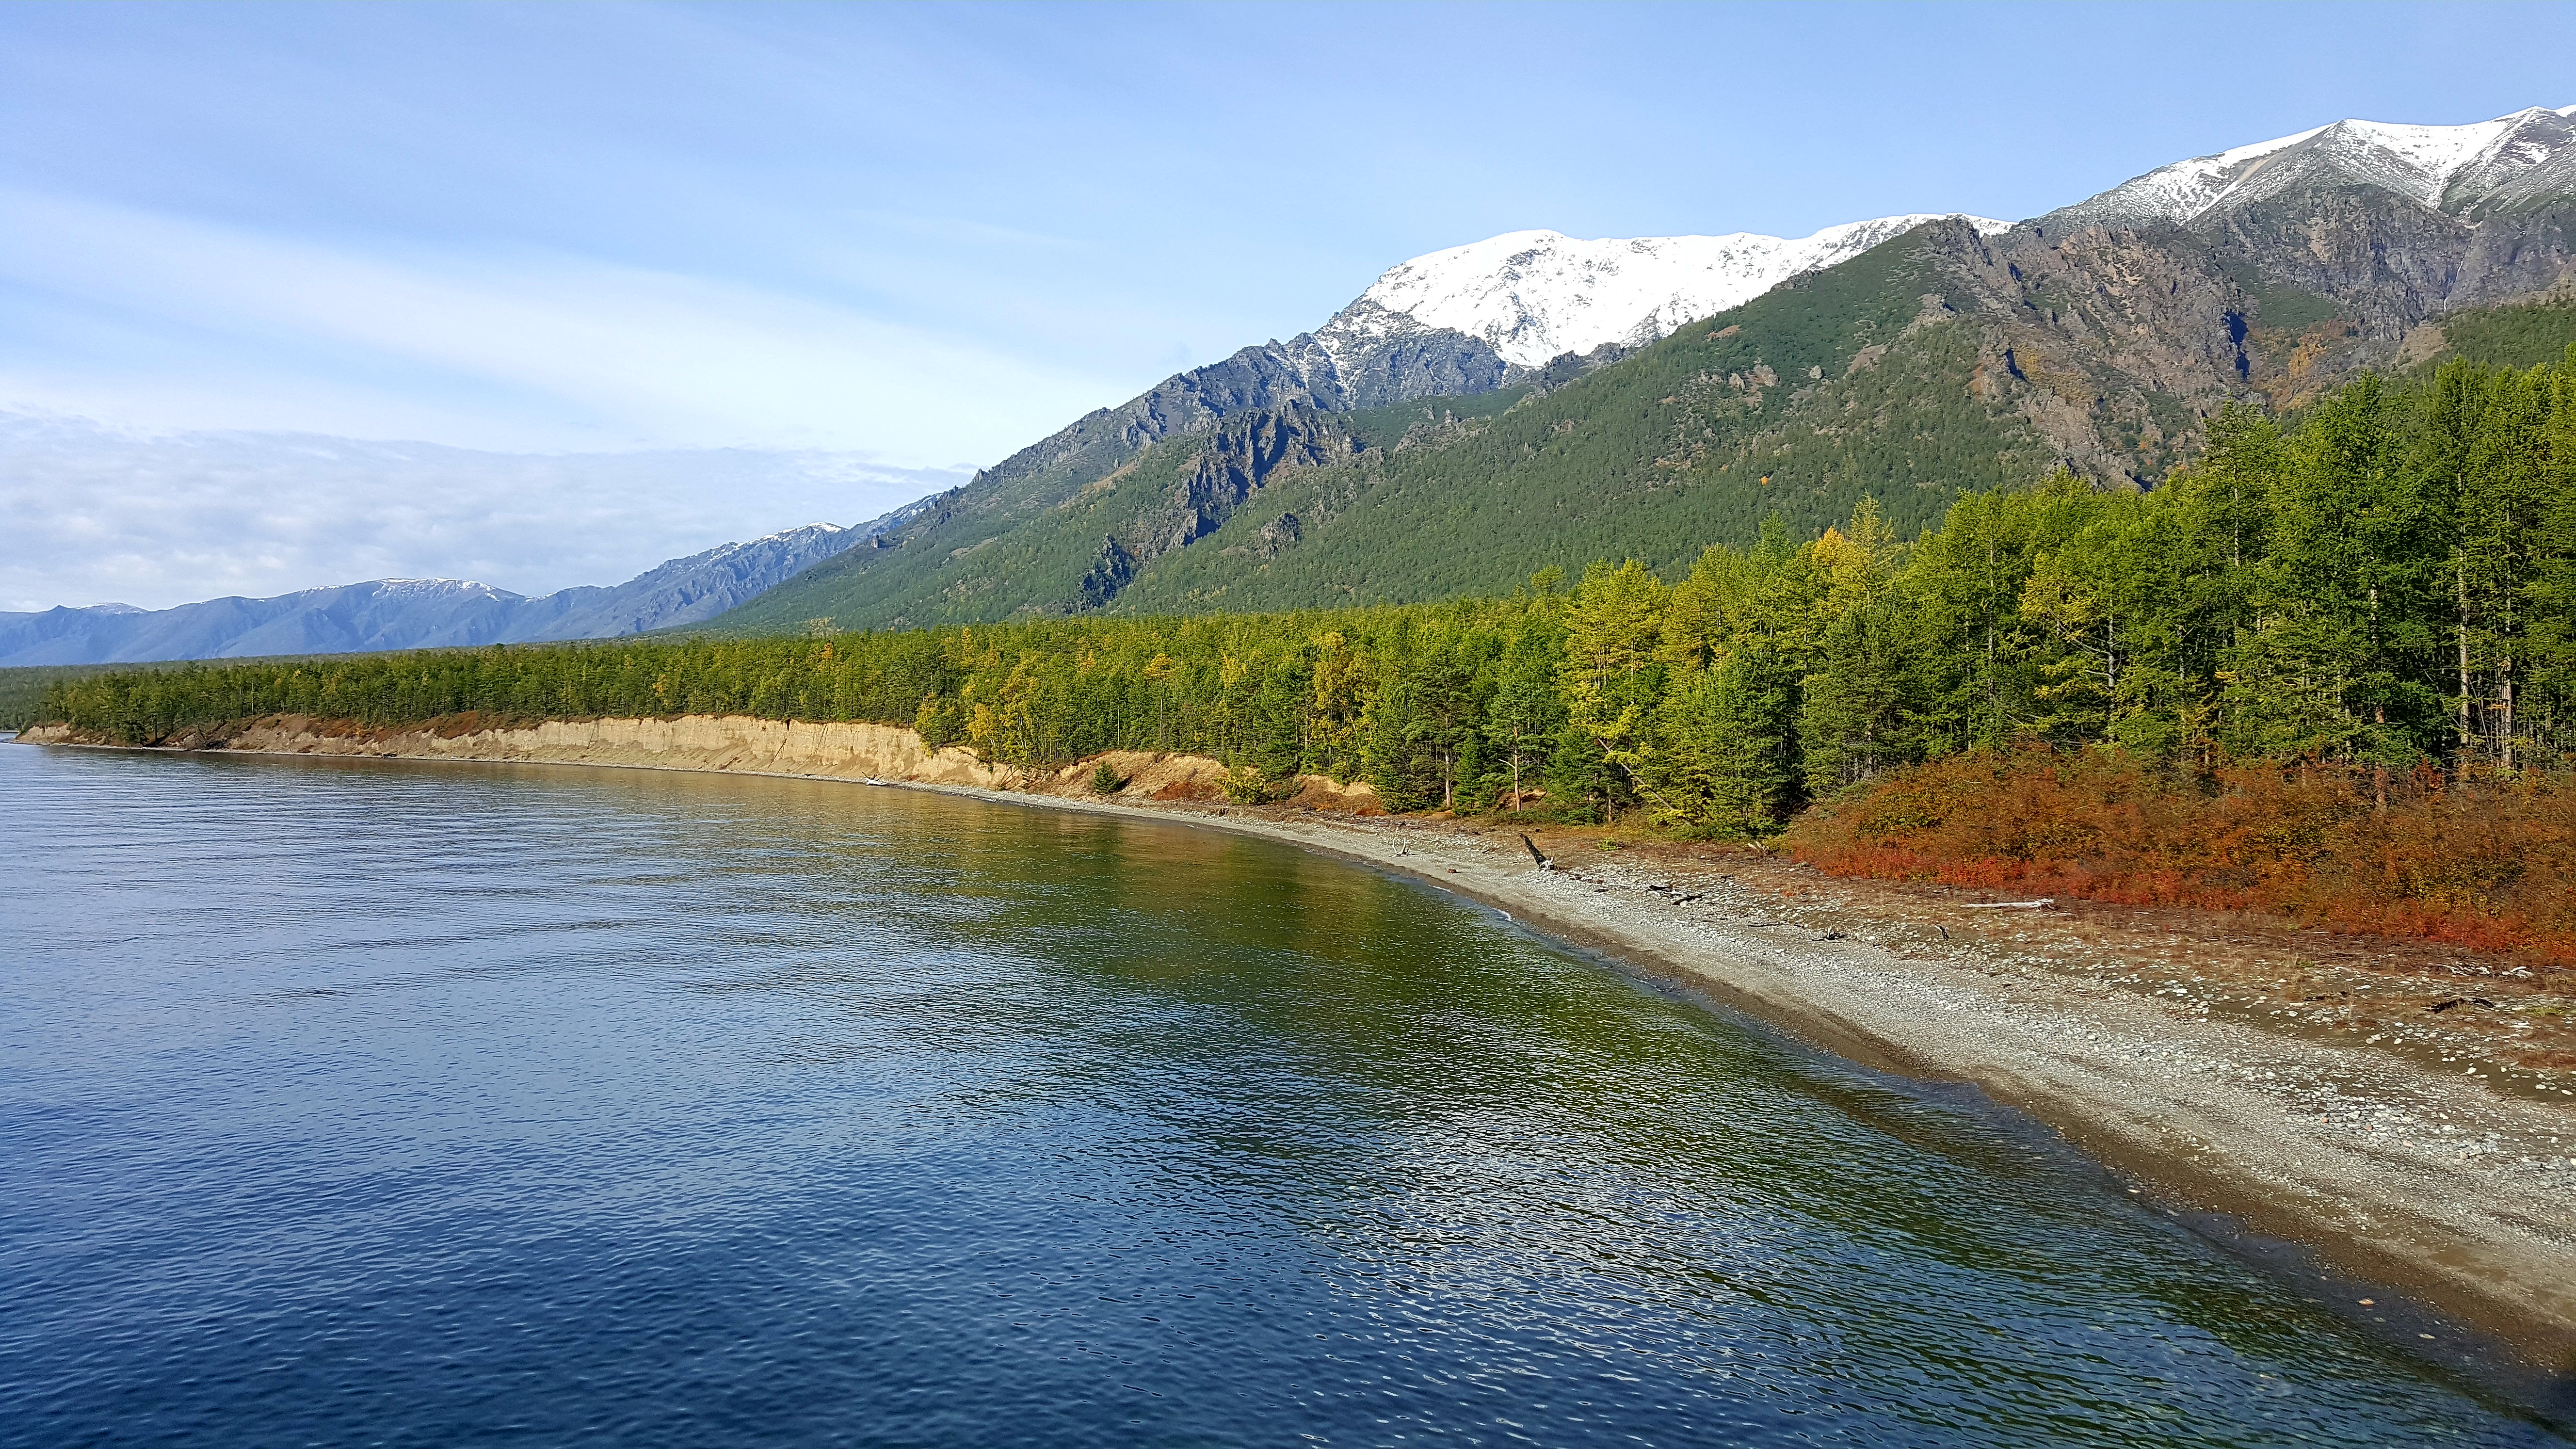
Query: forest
[(2329, 667), (2388, 584)]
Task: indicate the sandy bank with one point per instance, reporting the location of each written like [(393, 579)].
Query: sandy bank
[(735, 744), (2388, 1168)]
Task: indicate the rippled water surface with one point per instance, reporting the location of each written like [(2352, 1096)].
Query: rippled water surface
[(379, 1104)]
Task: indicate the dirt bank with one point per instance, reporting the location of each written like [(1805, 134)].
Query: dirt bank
[(733, 744), (2378, 1150)]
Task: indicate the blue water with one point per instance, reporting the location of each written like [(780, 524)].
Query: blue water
[(409, 1105)]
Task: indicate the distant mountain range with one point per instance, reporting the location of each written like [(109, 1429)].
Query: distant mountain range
[(1532, 399), (420, 613)]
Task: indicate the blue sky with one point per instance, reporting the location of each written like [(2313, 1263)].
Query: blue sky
[(935, 233), (930, 235)]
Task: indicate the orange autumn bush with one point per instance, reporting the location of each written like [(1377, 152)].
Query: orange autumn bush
[(2484, 863)]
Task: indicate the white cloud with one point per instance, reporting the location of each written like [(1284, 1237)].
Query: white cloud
[(155, 318), (91, 514)]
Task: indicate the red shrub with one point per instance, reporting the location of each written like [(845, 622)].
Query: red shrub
[(2484, 864)]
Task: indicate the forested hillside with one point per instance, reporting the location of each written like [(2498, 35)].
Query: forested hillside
[(1939, 363), (2391, 583), (2520, 334), (25, 689), (965, 564), (1845, 387), (22, 691), (1847, 384), (2332, 671)]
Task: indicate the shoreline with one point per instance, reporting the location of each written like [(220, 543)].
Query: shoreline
[(2381, 1169)]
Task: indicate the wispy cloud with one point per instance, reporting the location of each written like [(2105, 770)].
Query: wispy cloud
[(514, 347), (92, 514)]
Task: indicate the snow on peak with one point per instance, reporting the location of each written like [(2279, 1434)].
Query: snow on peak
[(2435, 153), (417, 589), (2187, 188), (798, 534), (2419, 162), (1535, 295)]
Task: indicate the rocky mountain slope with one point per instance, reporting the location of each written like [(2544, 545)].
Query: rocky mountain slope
[(1530, 308), (2481, 167), (1474, 327), (1428, 454), (420, 613)]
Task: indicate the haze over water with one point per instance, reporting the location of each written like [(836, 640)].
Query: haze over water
[(347, 1103)]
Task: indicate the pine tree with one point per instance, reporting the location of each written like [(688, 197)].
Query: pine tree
[(1527, 712), (1726, 741), (1612, 675)]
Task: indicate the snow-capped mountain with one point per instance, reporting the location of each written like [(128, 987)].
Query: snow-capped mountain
[(2274, 270), (1452, 323), (1474, 318), (421, 613), (1536, 295), (2454, 169)]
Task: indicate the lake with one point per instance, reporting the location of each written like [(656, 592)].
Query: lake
[(367, 1103)]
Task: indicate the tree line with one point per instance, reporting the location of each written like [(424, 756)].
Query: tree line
[(2388, 584)]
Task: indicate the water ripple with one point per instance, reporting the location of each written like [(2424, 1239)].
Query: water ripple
[(346, 1102)]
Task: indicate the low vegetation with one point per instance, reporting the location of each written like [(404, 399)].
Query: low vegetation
[(2479, 861)]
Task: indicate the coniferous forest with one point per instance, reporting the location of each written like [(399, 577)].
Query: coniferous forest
[(2384, 591)]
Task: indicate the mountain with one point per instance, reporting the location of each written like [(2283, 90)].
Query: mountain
[(423, 613), (2481, 167), (1528, 308), (1475, 326), (92, 510), (1534, 296), (2268, 272), (1413, 446), (2383, 227)]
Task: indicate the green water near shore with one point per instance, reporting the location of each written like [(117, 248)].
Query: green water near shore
[(526, 1104)]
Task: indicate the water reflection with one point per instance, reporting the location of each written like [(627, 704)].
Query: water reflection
[(420, 1105)]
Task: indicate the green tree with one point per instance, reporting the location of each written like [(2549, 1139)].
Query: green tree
[(1527, 712), (1727, 742), (1612, 676)]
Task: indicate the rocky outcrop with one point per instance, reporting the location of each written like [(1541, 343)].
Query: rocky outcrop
[(1400, 362), (1233, 464), (2128, 330), (1368, 356), (1238, 457)]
